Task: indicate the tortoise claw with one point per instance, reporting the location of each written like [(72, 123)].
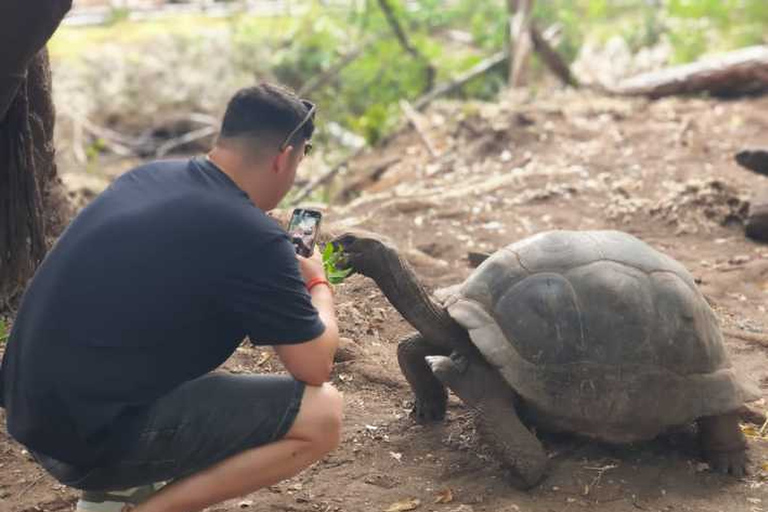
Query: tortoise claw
[(729, 463)]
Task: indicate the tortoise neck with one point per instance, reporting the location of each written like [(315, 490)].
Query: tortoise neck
[(399, 283)]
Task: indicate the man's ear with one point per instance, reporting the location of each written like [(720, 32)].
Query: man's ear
[(282, 161)]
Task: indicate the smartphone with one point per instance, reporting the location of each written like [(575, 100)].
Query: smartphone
[(303, 229)]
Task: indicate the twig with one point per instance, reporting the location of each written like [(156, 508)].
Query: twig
[(320, 80), (413, 118), (30, 486), (312, 185), (551, 58), (752, 337), (480, 68), (192, 136), (600, 470)]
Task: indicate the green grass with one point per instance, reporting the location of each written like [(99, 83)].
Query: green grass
[(72, 42), (4, 332)]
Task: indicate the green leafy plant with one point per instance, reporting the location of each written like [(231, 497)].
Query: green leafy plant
[(333, 255), (4, 331)]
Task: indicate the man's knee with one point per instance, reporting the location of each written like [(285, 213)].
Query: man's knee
[(320, 417)]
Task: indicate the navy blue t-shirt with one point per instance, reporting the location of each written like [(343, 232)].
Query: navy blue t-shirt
[(155, 283)]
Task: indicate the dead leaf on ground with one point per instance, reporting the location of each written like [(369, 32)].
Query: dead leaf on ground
[(263, 358), (405, 505), (444, 496)]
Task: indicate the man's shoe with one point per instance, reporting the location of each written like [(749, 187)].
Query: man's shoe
[(115, 501)]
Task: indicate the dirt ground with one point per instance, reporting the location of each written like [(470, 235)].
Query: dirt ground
[(663, 171)]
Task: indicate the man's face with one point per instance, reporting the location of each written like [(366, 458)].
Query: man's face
[(288, 164)]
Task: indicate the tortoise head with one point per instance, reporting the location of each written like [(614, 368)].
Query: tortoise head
[(365, 252)]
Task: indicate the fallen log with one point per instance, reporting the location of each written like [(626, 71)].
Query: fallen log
[(757, 221), (740, 72), (753, 159)]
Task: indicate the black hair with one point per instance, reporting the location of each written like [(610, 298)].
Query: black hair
[(266, 110)]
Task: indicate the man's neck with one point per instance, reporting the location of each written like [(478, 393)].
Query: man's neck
[(230, 165)]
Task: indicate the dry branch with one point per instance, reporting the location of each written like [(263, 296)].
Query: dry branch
[(551, 58), (413, 118), (752, 337), (743, 71), (319, 81), (192, 136), (320, 180), (480, 68)]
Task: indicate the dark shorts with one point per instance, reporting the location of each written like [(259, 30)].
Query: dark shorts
[(198, 424)]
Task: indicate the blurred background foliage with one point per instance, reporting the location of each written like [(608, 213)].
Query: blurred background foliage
[(362, 98)]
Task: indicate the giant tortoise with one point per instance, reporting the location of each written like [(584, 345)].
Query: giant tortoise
[(588, 332)]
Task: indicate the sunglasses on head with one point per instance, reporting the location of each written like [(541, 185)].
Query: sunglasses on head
[(310, 116)]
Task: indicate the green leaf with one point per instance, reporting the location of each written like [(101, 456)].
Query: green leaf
[(333, 254), (4, 331)]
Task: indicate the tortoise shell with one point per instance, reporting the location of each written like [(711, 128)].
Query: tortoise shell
[(599, 334)]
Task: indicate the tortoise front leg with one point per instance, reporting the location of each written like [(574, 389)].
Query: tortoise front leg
[(482, 388), (430, 394), (723, 443)]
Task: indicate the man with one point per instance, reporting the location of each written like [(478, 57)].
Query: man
[(106, 374)]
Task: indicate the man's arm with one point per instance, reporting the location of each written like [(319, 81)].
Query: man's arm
[(312, 362)]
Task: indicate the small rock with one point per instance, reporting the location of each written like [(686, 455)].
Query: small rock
[(348, 351)]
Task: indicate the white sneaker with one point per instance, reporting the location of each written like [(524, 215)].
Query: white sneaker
[(115, 501)]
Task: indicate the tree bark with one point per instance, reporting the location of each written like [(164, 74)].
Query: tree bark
[(740, 72), (33, 207), (520, 39)]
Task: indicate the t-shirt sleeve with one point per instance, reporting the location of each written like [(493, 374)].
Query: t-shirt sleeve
[(266, 293)]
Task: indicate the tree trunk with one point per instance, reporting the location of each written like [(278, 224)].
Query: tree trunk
[(33, 207), (739, 72)]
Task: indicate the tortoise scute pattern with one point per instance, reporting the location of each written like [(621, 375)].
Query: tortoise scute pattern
[(600, 333)]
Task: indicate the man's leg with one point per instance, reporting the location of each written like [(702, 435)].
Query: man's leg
[(315, 432)]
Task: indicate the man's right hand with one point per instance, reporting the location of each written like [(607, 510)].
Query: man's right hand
[(311, 267)]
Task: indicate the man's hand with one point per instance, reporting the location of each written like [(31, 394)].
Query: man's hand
[(311, 267)]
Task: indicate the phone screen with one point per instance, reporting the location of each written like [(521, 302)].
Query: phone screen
[(303, 228)]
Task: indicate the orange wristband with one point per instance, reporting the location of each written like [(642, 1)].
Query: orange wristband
[(316, 281)]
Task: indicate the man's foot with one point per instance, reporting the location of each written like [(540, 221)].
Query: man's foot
[(115, 501)]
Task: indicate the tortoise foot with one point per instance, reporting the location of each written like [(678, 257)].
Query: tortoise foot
[(429, 410), (482, 388), (723, 444), (729, 463)]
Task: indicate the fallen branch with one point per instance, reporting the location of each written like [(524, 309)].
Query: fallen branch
[(320, 180), (752, 337), (743, 71), (319, 81), (551, 58), (192, 136), (413, 118), (458, 81)]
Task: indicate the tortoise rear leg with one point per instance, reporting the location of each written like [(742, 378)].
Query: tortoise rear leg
[(723, 443), (430, 395), (482, 388)]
